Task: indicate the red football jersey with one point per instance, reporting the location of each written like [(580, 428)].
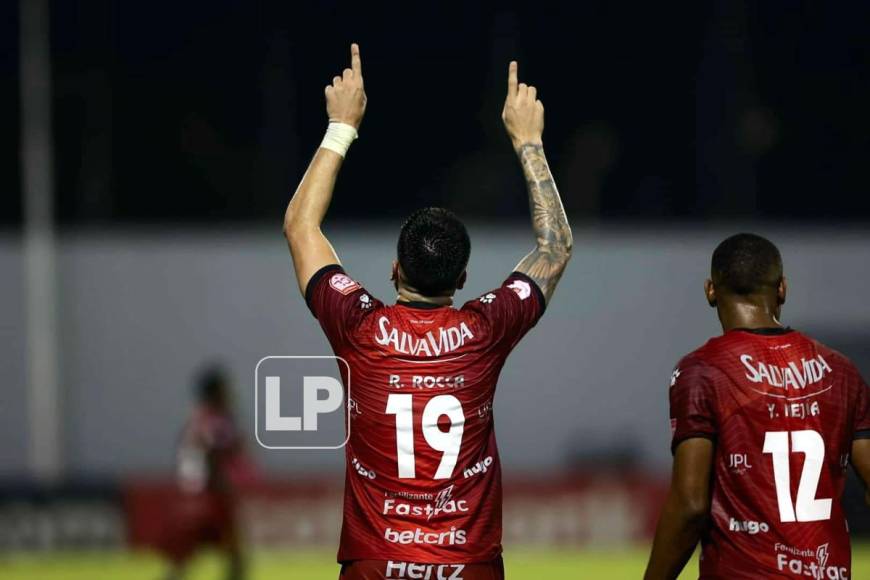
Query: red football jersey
[(423, 480), (783, 411)]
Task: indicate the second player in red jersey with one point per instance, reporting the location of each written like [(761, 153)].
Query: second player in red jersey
[(212, 465), (765, 423), (423, 477)]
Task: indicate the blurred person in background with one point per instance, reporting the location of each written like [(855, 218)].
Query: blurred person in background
[(765, 421), (212, 465), (423, 494)]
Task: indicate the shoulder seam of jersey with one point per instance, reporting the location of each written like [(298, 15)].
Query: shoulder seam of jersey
[(315, 278), (695, 360)]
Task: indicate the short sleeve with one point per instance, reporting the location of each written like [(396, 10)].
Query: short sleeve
[(692, 400), (338, 302), (862, 410), (512, 309)]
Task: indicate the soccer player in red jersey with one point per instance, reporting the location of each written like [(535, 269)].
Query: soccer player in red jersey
[(211, 463), (765, 423), (423, 480)]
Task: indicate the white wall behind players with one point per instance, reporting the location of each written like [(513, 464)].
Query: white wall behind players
[(141, 309)]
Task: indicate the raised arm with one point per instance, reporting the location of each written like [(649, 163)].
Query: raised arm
[(345, 105), (523, 118)]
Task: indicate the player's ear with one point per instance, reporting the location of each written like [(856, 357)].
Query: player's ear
[(460, 282), (394, 275), (710, 292), (781, 291)]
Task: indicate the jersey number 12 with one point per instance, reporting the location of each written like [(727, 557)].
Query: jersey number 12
[(806, 508)]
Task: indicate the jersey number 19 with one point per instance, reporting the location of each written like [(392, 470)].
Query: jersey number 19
[(448, 443)]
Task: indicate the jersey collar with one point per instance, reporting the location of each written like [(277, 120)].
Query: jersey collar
[(420, 304), (772, 331)]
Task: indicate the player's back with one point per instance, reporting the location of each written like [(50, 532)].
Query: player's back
[(783, 410), (423, 482)]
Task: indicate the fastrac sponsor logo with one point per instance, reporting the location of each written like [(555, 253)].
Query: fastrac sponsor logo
[(444, 496), (481, 466), (795, 561), (411, 571), (442, 503), (392, 507), (793, 376), (452, 537), (747, 526)]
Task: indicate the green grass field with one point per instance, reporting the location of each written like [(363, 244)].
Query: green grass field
[(520, 565)]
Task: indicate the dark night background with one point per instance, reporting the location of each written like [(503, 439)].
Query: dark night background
[(178, 111)]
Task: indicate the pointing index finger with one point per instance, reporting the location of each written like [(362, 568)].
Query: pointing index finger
[(512, 78), (355, 61)]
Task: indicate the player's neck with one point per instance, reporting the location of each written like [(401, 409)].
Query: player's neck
[(407, 295), (748, 315)]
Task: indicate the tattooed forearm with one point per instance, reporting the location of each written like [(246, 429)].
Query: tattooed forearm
[(547, 261)]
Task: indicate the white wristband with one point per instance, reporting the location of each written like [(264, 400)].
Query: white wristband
[(338, 138)]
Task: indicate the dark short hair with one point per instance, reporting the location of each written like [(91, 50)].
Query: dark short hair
[(746, 264), (211, 384), (433, 250)]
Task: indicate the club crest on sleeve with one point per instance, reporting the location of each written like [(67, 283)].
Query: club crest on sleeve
[(365, 302), (522, 288), (343, 283), (674, 376)]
